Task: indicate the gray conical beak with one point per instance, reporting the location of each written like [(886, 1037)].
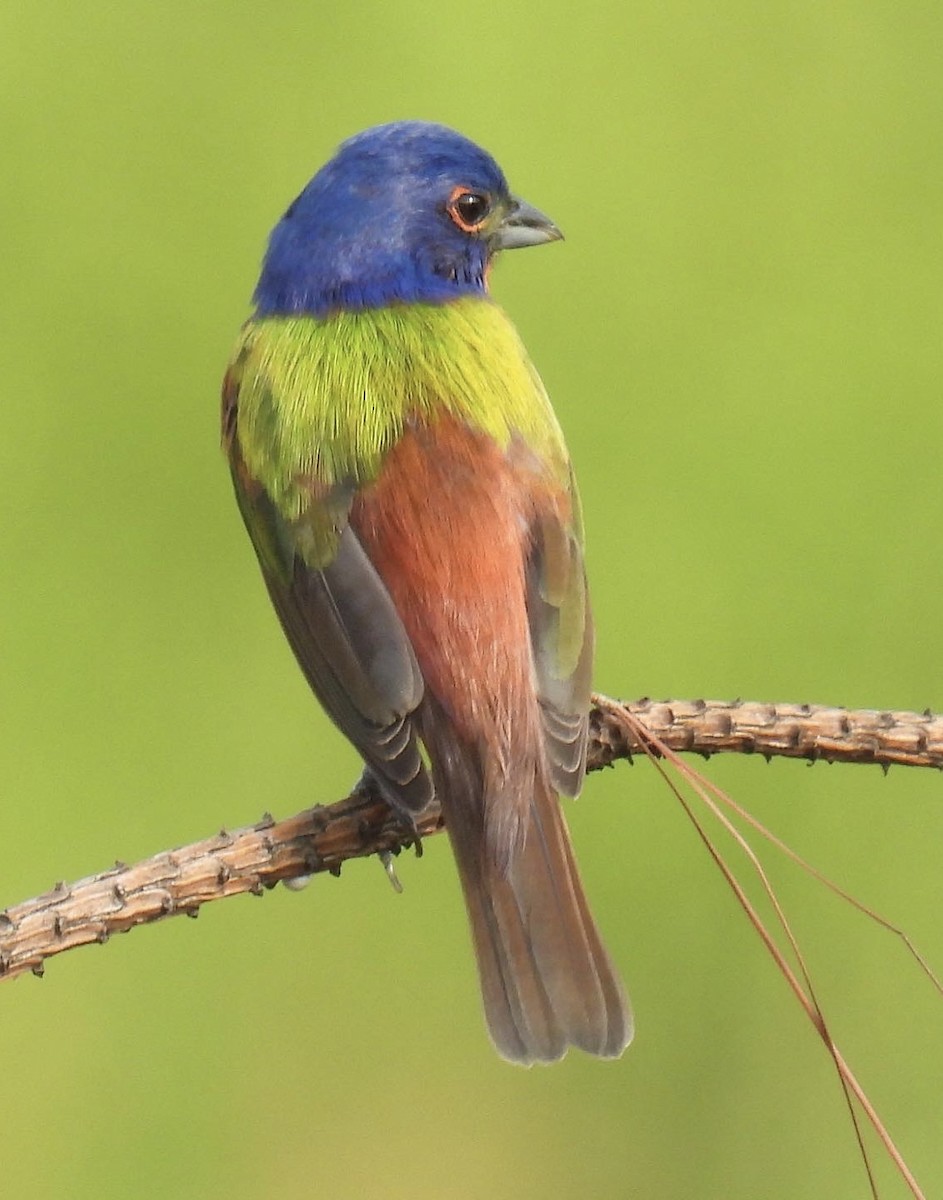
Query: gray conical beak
[(524, 225)]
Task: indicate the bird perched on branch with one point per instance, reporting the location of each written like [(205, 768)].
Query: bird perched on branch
[(409, 495)]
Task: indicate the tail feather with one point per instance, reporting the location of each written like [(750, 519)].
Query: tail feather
[(546, 980)]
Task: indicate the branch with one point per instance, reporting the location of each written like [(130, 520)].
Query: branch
[(809, 731), (322, 838)]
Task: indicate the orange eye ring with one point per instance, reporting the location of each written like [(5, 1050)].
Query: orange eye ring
[(468, 208)]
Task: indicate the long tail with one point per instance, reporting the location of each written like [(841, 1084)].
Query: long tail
[(546, 980)]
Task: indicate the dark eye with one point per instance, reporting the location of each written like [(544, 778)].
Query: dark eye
[(468, 209)]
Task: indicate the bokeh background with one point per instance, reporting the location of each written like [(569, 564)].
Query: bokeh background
[(742, 337)]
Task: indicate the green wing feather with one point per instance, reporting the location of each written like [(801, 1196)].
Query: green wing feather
[(338, 618)]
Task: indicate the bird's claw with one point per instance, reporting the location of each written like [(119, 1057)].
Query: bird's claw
[(386, 858)]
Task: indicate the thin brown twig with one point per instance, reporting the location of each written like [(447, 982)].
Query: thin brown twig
[(798, 976), (321, 839)]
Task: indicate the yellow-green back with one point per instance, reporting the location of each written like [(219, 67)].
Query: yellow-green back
[(320, 401)]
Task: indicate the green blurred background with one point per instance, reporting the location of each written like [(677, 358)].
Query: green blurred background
[(742, 338)]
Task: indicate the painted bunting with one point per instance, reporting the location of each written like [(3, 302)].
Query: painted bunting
[(409, 495)]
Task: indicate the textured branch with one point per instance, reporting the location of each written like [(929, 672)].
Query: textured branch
[(809, 731), (321, 839)]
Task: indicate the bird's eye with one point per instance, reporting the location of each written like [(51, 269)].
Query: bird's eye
[(468, 209)]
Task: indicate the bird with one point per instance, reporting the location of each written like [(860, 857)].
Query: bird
[(406, 487)]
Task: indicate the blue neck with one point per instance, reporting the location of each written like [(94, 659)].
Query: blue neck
[(320, 276), (280, 296)]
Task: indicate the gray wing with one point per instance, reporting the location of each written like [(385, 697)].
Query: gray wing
[(346, 635), (561, 629)]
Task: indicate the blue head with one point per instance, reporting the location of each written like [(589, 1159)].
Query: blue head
[(409, 211)]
